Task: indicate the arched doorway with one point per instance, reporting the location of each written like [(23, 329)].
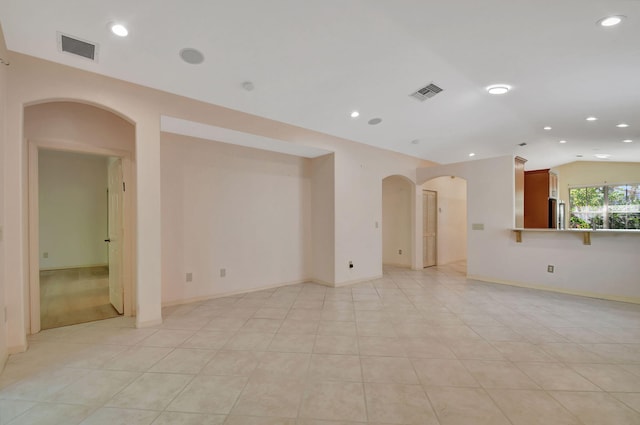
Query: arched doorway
[(80, 142)]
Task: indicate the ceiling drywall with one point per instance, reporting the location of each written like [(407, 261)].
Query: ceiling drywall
[(313, 62)]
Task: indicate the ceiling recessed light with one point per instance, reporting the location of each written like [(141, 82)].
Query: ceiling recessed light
[(547, 128), (602, 156), (622, 125), (248, 86), (472, 154), (119, 30), (592, 119), (578, 156), (498, 88), (627, 141), (192, 56), (355, 114), (415, 141), (375, 121), (562, 142), (611, 21)]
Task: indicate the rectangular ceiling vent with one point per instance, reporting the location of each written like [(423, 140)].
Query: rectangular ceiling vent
[(426, 92), (78, 47)]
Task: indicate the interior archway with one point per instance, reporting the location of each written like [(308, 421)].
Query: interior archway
[(78, 131)]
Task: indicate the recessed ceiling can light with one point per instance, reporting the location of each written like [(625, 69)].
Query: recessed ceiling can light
[(592, 119), (375, 121), (472, 154), (192, 56), (602, 156), (248, 86), (119, 30), (622, 125), (627, 141), (498, 88), (415, 141), (355, 114), (562, 142), (547, 128), (611, 21)]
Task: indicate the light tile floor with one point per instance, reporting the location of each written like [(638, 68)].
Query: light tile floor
[(415, 347)]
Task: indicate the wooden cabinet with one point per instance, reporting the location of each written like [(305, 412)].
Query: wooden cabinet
[(539, 187), (519, 199)]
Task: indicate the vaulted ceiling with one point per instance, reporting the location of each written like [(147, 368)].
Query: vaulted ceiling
[(312, 63)]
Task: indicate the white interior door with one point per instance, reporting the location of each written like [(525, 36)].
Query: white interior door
[(429, 227), (115, 237)]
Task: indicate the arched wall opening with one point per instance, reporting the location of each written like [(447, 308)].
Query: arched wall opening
[(78, 128), (398, 211), (451, 219)]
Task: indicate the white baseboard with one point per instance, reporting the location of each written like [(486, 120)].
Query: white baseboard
[(148, 323), (353, 282), (609, 297), (231, 293), (17, 349)]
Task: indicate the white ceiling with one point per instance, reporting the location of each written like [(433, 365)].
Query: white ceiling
[(314, 61)]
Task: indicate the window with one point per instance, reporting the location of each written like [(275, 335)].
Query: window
[(605, 207)]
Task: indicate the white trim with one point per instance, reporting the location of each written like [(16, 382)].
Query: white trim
[(609, 297)]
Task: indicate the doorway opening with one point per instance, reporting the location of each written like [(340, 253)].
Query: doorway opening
[(446, 233), (429, 228), (80, 237), (81, 215)]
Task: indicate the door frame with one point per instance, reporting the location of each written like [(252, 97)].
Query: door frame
[(424, 214), (128, 248)]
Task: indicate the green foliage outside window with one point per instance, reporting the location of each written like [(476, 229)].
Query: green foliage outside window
[(605, 207)]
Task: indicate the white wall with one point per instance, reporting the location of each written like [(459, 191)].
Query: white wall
[(608, 268), (396, 221), (73, 209), (223, 206), (3, 135), (452, 218)]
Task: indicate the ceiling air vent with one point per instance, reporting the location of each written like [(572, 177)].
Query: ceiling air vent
[(426, 92), (75, 46)]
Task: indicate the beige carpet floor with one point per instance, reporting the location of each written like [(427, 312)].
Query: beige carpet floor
[(72, 296)]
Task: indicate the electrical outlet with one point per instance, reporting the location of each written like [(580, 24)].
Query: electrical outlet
[(400, 251), (550, 268), (45, 255), (350, 264), (223, 272), (189, 277)]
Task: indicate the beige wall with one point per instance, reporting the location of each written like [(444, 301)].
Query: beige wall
[(323, 219), (397, 221), (452, 218), (73, 209), (358, 171), (495, 256), (3, 130), (244, 210)]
